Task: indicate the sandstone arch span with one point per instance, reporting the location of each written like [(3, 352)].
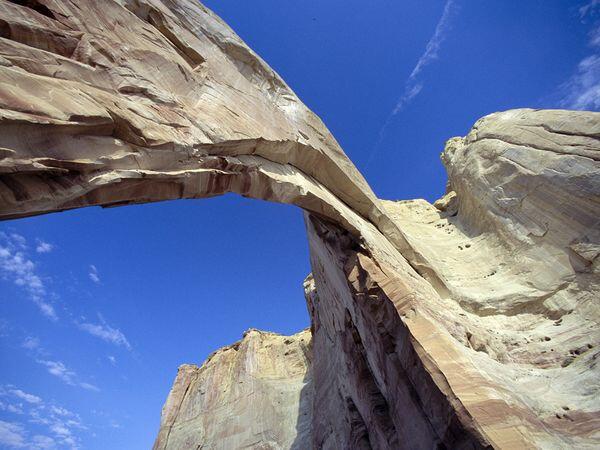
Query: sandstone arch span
[(117, 102)]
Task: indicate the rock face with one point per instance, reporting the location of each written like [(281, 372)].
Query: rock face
[(255, 393), (154, 100), (470, 323), (506, 347)]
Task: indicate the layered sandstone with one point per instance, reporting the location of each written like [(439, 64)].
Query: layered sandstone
[(510, 335), (471, 323), (512, 329), (256, 393)]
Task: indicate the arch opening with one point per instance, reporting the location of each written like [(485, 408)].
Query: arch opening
[(140, 291)]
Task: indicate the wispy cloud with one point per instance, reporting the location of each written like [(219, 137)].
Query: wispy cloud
[(105, 332), (31, 343), (68, 376), (29, 398), (16, 239), (62, 425), (43, 247), (45, 442), (582, 90), (94, 275), (112, 360), (89, 386), (59, 370), (12, 435), (414, 84), (16, 266), (11, 407), (588, 8)]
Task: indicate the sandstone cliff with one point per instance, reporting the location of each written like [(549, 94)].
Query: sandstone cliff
[(513, 328), (507, 344), (471, 323), (255, 393)]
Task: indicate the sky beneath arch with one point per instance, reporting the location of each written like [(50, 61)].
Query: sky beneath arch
[(98, 308)]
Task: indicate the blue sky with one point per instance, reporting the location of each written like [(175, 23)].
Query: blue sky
[(98, 308)]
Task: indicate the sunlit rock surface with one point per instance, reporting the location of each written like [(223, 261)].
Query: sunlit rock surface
[(516, 244), (256, 393), (153, 100), (471, 323)]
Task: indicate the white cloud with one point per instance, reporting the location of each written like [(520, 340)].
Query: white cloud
[(89, 387), (60, 430), (582, 90), (60, 411), (106, 333), (31, 343), (46, 308), (29, 398), (414, 85), (588, 8), (43, 247), (16, 266), (21, 269), (12, 434), (112, 360), (94, 276), (11, 408), (43, 442), (59, 370), (13, 400), (17, 239), (61, 423)]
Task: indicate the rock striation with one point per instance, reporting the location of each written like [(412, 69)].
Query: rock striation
[(470, 323), (256, 393)]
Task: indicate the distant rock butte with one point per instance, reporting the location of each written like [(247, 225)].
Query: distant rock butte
[(470, 323), (256, 393)]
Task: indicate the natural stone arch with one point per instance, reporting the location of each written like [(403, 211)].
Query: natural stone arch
[(158, 99), (130, 117), (169, 104)]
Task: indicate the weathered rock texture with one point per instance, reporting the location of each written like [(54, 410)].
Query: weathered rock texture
[(507, 345), (472, 323), (256, 393)]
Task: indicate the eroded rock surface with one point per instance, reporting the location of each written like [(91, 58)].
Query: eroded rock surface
[(256, 393), (153, 100), (471, 323)]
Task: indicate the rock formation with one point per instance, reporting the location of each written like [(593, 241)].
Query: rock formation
[(256, 393), (470, 323)]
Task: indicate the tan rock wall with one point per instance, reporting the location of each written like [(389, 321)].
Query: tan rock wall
[(256, 393), (467, 326)]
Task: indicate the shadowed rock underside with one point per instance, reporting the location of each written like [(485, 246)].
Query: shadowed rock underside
[(470, 323)]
